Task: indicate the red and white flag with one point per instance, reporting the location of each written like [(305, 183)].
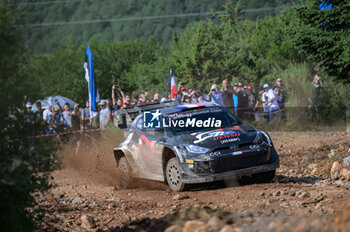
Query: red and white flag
[(171, 82)]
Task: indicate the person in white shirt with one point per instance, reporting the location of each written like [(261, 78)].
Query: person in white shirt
[(105, 114), (47, 114), (270, 101)]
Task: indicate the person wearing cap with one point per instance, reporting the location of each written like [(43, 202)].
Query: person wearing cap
[(105, 114), (28, 114), (215, 95), (29, 106), (227, 95), (269, 101)]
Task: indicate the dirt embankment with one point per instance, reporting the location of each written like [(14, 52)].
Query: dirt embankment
[(86, 195)]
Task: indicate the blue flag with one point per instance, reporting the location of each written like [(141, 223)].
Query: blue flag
[(325, 5), (92, 85)]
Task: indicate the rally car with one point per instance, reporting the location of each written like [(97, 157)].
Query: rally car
[(194, 143)]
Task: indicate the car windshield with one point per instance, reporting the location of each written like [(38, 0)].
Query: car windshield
[(199, 120)]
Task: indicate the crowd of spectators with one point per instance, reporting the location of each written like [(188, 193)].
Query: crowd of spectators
[(241, 99)]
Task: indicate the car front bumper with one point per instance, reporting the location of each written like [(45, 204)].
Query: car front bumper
[(190, 179)]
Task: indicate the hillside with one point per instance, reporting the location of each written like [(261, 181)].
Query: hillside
[(41, 38)]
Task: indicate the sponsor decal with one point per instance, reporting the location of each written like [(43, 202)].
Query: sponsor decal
[(230, 140), (217, 135), (215, 153), (253, 147)]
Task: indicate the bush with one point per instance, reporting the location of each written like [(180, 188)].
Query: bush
[(25, 163)]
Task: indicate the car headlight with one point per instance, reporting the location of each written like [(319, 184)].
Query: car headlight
[(258, 138), (195, 149)]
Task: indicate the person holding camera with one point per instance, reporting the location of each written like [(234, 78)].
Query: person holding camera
[(215, 95)]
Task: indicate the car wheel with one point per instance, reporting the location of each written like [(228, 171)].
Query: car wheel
[(173, 175), (125, 171)]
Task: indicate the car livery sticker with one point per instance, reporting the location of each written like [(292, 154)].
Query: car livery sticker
[(237, 153), (217, 135)]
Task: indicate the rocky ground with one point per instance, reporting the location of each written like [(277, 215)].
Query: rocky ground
[(308, 193)]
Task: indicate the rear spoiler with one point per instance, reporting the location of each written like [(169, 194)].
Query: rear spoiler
[(124, 117)]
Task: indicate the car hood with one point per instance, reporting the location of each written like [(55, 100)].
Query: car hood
[(219, 137)]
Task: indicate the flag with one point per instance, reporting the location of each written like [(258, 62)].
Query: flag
[(90, 77), (171, 82), (325, 5)]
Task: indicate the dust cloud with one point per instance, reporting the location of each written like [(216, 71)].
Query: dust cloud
[(90, 155)]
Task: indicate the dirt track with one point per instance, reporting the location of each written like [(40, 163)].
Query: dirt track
[(86, 184)]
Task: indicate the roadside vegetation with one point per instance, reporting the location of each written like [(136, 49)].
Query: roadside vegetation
[(293, 45)]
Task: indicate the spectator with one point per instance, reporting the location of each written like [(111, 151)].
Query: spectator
[(182, 89), (126, 103), (105, 114), (69, 116), (178, 98), (39, 112), (279, 100), (56, 117), (135, 100), (187, 99), (118, 105), (200, 97), (251, 103), (215, 95), (242, 98), (279, 85), (28, 114), (227, 95), (270, 101), (142, 99), (156, 98), (234, 96), (317, 82), (29, 107), (85, 116), (147, 101), (47, 114)]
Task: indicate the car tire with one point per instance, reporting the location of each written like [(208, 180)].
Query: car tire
[(173, 175), (125, 171)]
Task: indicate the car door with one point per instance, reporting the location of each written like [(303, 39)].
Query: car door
[(149, 147)]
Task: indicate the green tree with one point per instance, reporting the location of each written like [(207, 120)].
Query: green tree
[(324, 36), (25, 160)]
